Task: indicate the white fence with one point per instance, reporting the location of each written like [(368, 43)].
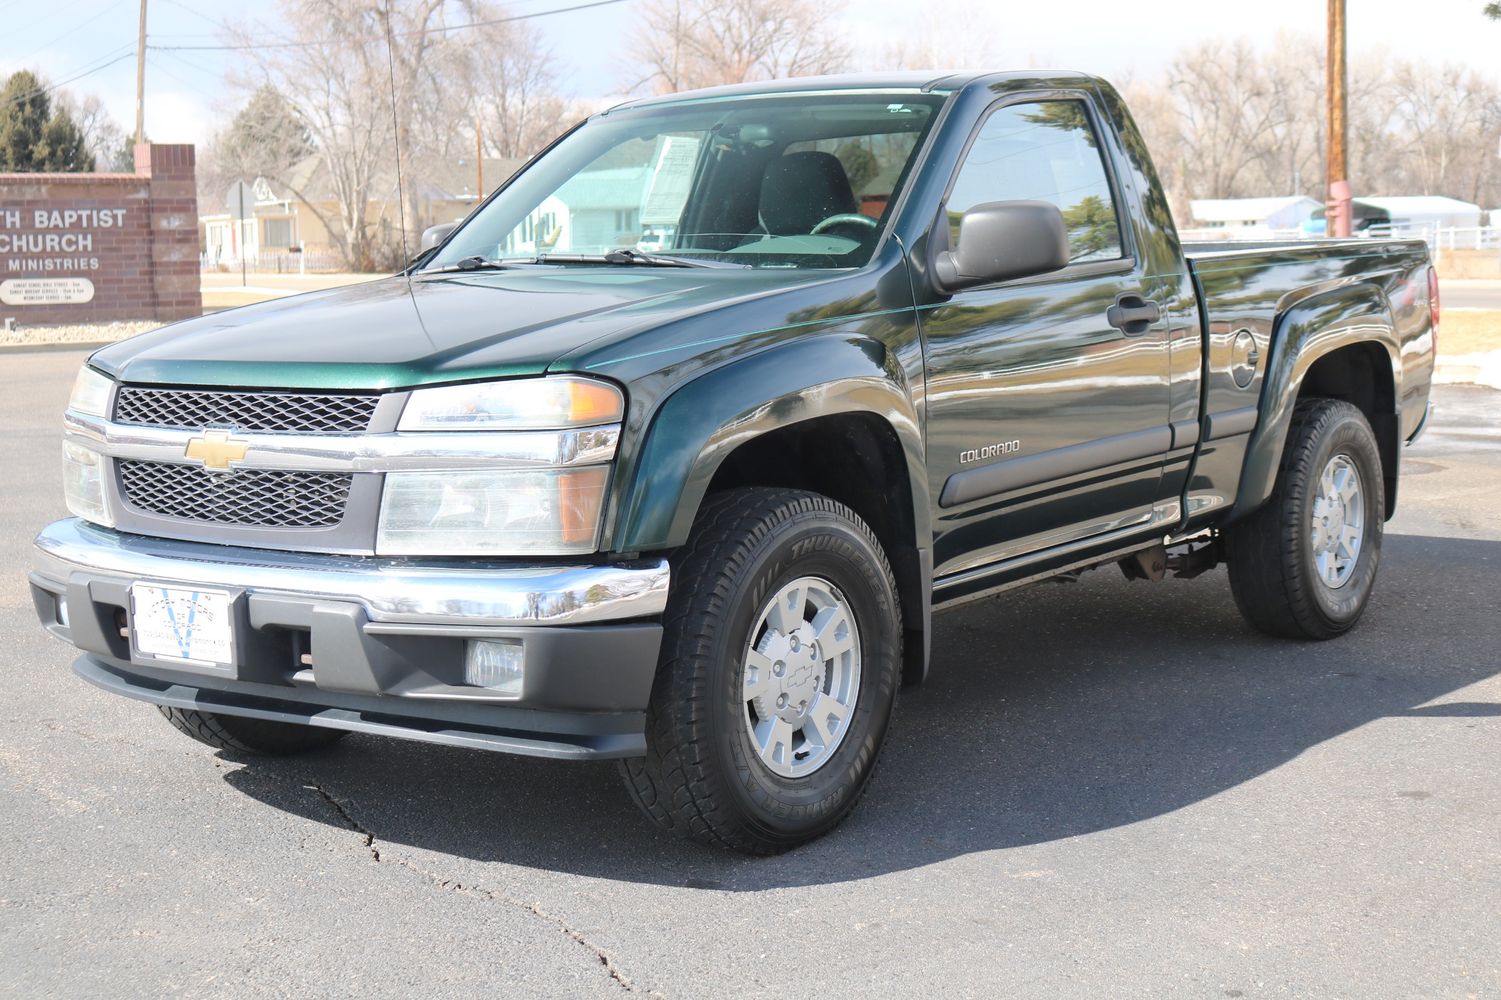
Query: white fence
[(275, 262)]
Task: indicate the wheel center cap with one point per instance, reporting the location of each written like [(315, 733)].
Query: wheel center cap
[(1328, 522), (796, 675)]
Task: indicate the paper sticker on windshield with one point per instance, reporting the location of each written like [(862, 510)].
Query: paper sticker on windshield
[(671, 180)]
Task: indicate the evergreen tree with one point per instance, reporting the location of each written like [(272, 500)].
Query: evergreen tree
[(33, 136)]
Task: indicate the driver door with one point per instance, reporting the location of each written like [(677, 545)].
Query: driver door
[(1047, 423)]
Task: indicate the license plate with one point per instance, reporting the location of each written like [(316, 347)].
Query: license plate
[(189, 626)]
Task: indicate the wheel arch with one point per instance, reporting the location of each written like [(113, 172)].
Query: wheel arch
[(1338, 344), (831, 414)]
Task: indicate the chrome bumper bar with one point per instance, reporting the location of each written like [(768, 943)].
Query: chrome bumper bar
[(464, 592)]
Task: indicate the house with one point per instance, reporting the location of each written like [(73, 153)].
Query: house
[(1426, 211), (613, 204), (593, 209), (1445, 222), (288, 225), (1249, 217)]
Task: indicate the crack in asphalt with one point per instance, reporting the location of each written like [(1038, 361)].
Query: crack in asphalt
[(439, 882)]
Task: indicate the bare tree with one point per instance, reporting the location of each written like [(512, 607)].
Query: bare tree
[(1447, 122), (687, 44), (1288, 154), (1230, 121), (103, 137), (1227, 105), (340, 90), (935, 45), (515, 90), (391, 90)]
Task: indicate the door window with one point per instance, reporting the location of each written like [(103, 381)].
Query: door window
[(1042, 151)]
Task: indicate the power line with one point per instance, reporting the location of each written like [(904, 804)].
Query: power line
[(184, 37), (83, 22), (156, 65), (183, 60), (196, 13), (40, 91), (247, 46)]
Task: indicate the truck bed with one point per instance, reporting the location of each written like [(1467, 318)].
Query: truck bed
[(1281, 292)]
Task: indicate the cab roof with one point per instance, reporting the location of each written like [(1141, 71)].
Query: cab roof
[(920, 81)]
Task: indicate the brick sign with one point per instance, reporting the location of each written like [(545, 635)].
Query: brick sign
[(99, 247)]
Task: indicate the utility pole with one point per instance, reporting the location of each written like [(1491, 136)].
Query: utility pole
[(1337, 209), (141, 78), (677, 44), (479, 162)]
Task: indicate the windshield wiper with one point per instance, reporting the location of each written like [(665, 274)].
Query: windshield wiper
[(474, 263), (625, 255)]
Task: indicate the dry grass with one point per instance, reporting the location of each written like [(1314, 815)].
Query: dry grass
[(1469, 331), (214, 299)]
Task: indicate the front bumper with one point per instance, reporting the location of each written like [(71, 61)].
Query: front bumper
[(374, 645)]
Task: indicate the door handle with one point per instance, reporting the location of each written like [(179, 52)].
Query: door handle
[(1133, 315)]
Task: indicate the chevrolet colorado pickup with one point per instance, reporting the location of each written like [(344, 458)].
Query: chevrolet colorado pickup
[(669, 452)]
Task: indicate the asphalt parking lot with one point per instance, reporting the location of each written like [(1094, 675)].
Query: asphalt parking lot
[(1107, 789)]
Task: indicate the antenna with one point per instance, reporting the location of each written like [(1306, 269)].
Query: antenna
[(401, 201)]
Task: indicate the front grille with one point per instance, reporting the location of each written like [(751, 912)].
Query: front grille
[(290, 412), (265, 498)]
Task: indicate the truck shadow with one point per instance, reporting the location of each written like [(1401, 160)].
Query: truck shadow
[(1053, 713)]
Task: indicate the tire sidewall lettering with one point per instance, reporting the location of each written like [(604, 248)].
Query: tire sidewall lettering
[(825, 548), (1343, 604)]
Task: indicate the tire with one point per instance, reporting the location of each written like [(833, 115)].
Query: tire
[(1276, 576), (259, 737), (711, 772)]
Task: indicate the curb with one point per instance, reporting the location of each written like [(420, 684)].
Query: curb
[(1483, 368), (56, 345)]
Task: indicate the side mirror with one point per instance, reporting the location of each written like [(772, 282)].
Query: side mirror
[(433, 235), (1000, 240)]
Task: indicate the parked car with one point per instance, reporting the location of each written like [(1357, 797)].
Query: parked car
[(914, 340)]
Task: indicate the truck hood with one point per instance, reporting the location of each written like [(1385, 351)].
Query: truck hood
[(451, 327)]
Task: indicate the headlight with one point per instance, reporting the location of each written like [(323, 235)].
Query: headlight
[(513, 405), (548, 512), (90, 393), (529, 511), (83, 484)]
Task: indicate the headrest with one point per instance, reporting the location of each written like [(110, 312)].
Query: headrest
[(800, 190)]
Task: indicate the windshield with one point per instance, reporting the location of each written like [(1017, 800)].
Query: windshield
[(804, 181)]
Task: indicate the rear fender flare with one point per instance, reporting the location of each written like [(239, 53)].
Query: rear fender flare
[(1309, 330)]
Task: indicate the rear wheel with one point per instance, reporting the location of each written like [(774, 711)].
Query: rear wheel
[(1304, 565), (778, 674), (240, 734)]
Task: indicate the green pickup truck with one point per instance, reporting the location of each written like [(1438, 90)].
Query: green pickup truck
[(671, 450)]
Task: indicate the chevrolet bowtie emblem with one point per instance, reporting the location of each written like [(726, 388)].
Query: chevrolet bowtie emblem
[(216, 450)]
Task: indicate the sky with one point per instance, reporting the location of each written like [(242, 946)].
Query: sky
[(187, 95)]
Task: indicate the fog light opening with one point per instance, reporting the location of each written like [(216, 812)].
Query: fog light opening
[(497, 665)]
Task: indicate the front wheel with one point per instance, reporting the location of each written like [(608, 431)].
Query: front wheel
[(1304, 565), (778, 673)]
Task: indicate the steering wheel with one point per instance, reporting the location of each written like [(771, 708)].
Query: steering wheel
[(847, 219)]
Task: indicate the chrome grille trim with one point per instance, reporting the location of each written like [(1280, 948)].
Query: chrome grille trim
[(261, 498), (266, 412), (393, 452)]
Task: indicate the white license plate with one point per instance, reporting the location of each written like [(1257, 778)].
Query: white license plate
[(190, 626)]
